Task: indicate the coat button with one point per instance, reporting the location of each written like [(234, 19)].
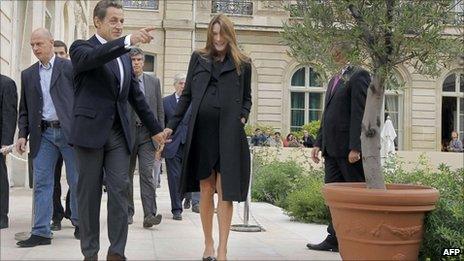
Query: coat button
[(237, 100)]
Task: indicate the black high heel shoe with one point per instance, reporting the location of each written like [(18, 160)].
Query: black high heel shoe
[(209, 258)]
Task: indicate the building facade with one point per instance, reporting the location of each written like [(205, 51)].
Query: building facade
[(287, 94), (66, 20)]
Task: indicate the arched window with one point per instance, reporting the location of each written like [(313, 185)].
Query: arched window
[(306, 97), (393, 107), (452, 112)]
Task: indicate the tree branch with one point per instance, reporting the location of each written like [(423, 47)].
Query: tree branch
[(388, 31), (367, 35)]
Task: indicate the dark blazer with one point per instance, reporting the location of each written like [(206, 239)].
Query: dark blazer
[(98, 99), (8, 109), (235, 100), (340, 129), (180, 136), (31, 103)]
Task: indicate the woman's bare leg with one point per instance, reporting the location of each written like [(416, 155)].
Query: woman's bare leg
[(224, 213), (207, 190)]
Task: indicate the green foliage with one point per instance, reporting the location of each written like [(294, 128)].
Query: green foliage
[(381, 36), (272, 182), (250, 129), (312, 128), (444, 227), (306, 204)]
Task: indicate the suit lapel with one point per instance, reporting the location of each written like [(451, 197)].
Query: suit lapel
[(55, 72), (36, 79), (173, 102), (331, 94), (112, 65), (149, 88)]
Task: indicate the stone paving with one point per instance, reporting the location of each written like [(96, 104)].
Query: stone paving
[(283, 239)]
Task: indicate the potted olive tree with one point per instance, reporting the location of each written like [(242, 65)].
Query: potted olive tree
[(374, 220)]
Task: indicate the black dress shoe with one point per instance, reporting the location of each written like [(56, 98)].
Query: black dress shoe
[(209, 258), (77, 233), (91, 258), (196, 208), (34, 241), (186, 203), (55, 226), (323, 246), (152, 220), (115, 257), (177, 216)]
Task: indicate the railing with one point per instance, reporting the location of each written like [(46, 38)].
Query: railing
[(141, 4), (237, 7)]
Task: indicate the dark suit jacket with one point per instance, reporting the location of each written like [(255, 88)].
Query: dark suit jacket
[(180, 136), (154, 100), (8, 109), (98, 99), (31, 103), (340, 129)]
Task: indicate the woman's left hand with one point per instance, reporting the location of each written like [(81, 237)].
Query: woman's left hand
[(243, 120)]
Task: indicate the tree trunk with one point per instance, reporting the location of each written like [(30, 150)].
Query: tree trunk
[(370, 133)]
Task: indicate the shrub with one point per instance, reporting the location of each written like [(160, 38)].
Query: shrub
[(306, 204), (444, 226), (272, 182), (312, 128), (250, 129)]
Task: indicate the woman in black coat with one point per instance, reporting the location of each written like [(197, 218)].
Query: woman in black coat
[(216, 156)]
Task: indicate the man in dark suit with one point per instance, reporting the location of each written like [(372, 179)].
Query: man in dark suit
[(144, 148), (61, 50), (8, 114), (173, 152), (45, 111), (339, 137), (101, 134)]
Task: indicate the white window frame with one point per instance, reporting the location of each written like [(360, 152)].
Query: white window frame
[(456, 94), (306, 89)]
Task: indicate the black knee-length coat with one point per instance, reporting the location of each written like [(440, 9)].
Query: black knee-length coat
[(235, 99)]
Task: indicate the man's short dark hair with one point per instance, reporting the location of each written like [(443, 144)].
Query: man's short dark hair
[(101, 7), (136, 51), (58, 43), (257, 129)]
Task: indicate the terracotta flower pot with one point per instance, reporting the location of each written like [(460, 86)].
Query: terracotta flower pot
[(379, 224)]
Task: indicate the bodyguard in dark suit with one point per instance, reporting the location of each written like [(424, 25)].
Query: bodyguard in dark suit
[(8, 115), (45, 117), (173, 152), (339, 137), (101, 133), (144, 149), (61, 50)]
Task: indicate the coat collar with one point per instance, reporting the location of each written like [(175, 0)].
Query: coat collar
[(207, 63)]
